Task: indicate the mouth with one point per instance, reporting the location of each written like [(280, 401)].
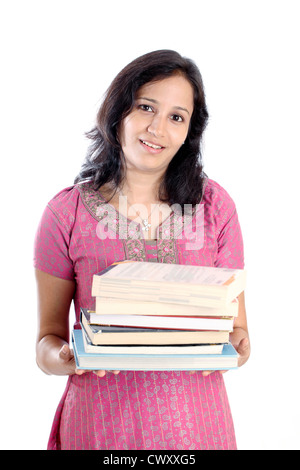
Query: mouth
[(151, 146)]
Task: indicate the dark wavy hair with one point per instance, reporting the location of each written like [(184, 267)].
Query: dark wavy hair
[(104, 162)]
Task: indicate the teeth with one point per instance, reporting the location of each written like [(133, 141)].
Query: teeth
[(151, 145)]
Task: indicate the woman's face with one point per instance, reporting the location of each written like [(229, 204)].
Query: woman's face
[(158, 124)]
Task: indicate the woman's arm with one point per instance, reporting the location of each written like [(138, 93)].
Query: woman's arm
[(52, 349), (53, 354)]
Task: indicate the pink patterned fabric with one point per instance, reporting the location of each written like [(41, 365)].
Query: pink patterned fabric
[(137, 410)]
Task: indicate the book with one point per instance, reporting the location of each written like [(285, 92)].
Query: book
[(106, 335), (228, 359), (150, 349), (168, 322), (170, 283), (111, 306)]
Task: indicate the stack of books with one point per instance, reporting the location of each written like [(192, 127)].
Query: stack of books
[(156, 316)]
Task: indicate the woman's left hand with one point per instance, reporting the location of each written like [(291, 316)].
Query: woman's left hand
[(240, 341), (243, 350)]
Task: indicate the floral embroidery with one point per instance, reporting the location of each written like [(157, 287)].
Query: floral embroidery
[(128, 231), (185, 227), (135, 250)]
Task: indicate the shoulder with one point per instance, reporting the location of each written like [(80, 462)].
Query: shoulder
[(68, 201), (218, 204), (217, 198), (66, 196), (215, 194), (64, 205)]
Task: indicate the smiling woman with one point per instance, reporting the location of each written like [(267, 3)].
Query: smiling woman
[(145, 151)]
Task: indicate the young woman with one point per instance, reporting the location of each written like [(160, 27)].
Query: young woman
[(144, 160)]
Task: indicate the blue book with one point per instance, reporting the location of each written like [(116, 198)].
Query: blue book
[(228, 359)]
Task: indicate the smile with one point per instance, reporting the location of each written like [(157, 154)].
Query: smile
[(153, 146)]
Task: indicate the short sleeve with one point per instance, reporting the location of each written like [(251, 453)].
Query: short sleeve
[(223, 227), (51, 247), (230, 243)]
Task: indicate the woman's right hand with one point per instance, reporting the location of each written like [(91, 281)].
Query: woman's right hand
[(66, 356), (67, 360), (53, 353)]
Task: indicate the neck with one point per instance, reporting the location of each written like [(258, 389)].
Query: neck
[(141, 189)]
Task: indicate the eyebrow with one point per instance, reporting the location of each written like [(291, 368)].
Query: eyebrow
[(156, 102)]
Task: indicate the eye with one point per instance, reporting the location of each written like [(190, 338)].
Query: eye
[(146, 107), (177, 118)]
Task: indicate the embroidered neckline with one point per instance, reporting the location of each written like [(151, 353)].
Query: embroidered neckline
[(101, 209), (133, 240)]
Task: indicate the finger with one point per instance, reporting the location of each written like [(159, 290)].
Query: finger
[(99, 373), (102, 373), (65, 353), (205, 373)]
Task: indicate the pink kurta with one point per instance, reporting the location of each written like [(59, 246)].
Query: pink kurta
[(78, 236)]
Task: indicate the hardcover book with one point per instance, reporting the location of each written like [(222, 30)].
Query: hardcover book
[(228, 359)]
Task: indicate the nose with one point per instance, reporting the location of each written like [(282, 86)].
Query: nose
[(157, 126)]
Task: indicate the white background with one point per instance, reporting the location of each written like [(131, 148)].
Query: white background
[(57, 59)]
